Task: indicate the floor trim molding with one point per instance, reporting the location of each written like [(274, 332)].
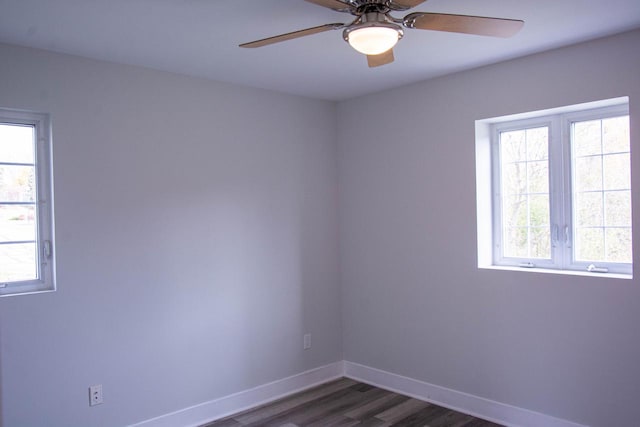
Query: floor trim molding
[(467, 403), (212, 410), (228, 405)]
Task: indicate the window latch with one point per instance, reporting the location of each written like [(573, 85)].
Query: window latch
[(554, 234), (593, 269), (526, 265), (46, 248)]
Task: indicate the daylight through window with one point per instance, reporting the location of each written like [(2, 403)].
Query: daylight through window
[(561, 190), (26, 258)]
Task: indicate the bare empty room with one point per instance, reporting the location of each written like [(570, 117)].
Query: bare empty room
[(207, 206)]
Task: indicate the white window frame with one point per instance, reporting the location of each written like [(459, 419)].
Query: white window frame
[(559, 122), (568, 120), (551, 122), (46, 280)]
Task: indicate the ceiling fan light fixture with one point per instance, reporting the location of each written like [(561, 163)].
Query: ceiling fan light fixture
[(373, 38)]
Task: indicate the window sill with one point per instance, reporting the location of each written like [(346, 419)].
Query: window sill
[(9, 291), (562, 272)]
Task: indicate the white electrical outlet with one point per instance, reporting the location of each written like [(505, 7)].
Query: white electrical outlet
[(307, 342), (95, 395)]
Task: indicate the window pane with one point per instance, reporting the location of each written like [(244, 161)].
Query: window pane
[(514, 211), (617, 208), (26, 210), (588, 174), (587, 138), (17, 223), (17, 184), (516, 242), (16, 144), (525, 190), (514, 178), (513, 146), (540, 243), (526, 226), (18, 262), (617, 171), (539, 210), (618, 248), (537, 143), (538, 176), (615, 134), (589, 244), (608, 176), (588, 209)]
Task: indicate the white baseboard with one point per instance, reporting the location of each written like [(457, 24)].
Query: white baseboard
[(469, 404), (501, 413), (237, 402)]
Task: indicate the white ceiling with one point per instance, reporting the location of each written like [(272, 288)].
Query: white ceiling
[(201, 37)]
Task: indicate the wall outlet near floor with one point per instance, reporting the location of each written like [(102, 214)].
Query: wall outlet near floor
[(95, 395), (306, 342)]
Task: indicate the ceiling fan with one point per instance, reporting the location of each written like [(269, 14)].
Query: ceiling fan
[(374, 31)]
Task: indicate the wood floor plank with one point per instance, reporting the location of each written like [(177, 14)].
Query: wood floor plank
[(374, 422), (336, 420), (335, 406), (348, 403), (377, 406), (402, 410), (422, 417), (227, 422), (362, 387), (309, 411), (283, 405), (451, 419), (477, 422)]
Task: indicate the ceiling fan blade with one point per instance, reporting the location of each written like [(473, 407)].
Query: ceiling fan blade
[(479, 25), (292, 35), (404, 4), (340, 6), (382, 59)]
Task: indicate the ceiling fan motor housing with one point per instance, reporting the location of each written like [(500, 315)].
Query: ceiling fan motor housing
[(373, 19), (383, 6), (366, 6)]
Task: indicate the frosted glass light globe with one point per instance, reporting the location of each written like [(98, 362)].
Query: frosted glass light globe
[(373, 40)]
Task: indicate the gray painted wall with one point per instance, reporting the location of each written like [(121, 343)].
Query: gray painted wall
[(196, 243), (414, 301)]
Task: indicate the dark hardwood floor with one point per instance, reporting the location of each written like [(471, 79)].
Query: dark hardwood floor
[(346, 402)]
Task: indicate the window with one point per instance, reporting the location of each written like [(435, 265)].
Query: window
[(26, 214), (560, 189)]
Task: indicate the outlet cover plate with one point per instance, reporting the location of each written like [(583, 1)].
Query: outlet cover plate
[(95, 395)]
